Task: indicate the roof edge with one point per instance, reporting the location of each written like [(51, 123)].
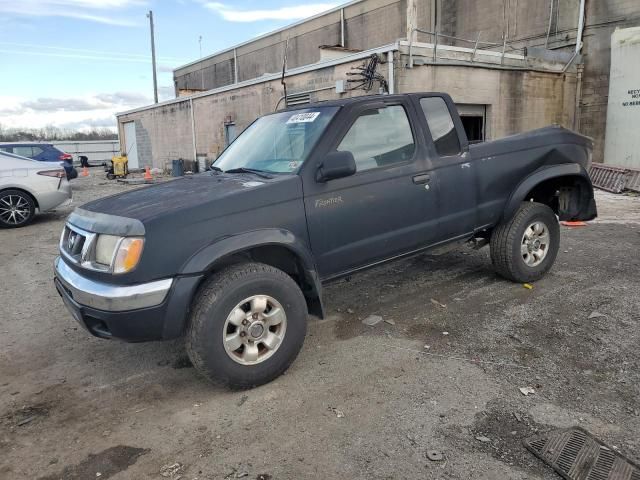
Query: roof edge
[(268, 34), (269, 77)]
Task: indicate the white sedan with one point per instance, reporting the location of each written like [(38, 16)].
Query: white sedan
[(28, 186)]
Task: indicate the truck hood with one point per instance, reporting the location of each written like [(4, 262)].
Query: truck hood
[(211, 194)]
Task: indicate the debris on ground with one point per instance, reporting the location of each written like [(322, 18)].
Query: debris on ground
[(427, 347), (350, 311), (171, 469), (243, 399), (389, 321), (595, 314), (527, 391), (445, 333), (338, 413), (372, 320), (573, 224), (437, 303), (434, 455), (528, 286), (27, 420), (483, 439)]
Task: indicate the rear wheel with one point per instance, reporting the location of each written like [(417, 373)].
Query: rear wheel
[(524, 248), (247, 325), (17, 209)]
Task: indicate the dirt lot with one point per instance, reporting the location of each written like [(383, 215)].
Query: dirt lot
[(360, 402)]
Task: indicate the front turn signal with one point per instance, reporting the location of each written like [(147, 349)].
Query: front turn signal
[(128, 255)]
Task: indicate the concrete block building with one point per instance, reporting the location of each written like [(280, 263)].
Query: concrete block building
[(510, 65)]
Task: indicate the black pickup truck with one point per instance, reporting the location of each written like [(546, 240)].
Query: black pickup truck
[(234, 259)]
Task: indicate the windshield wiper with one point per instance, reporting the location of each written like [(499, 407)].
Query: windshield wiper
[(260, 173), (215, 169)]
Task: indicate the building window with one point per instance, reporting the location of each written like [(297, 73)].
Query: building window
[(473, 127)]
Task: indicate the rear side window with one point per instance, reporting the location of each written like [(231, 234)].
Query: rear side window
[(36, 151), (441, 126), (23, 151), (379, 137)]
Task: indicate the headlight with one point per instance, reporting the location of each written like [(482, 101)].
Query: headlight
[(128, 254), (106, 248), (119, 254)]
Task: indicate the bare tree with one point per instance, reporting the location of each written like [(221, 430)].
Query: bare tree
[(51, 133)]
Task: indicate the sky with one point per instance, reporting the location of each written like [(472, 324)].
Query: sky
[(75, 63)]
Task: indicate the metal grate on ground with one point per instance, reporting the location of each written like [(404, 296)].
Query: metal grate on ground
[(575, 454)]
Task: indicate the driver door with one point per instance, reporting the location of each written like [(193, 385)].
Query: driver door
[(387, 207)]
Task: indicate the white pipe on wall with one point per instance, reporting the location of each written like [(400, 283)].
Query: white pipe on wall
[(580, 27), (342, 28), (391, 80), (193, 131)]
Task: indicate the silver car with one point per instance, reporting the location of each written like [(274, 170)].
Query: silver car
[(28, 186)]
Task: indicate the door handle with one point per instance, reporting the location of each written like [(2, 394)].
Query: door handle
[(421, 179)]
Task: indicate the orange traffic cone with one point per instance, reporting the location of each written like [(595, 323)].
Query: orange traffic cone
[(85, 172), (147, 173)]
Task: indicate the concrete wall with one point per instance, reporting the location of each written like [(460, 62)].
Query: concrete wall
[(516, 101), (164, 132), (622, 146), (526, 24), (372, 23), (602, 19), (368, 24)]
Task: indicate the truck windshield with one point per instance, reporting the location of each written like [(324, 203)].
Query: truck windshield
[(277, 143)]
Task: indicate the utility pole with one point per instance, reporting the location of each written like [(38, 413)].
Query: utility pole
[(200, 43), (153, 57)]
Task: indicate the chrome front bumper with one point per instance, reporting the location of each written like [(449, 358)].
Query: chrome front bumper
[(108, 297)]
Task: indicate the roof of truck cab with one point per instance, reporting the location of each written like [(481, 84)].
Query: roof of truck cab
[(341, 102)]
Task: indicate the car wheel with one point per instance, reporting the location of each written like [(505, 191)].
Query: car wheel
[(524, 248), (247, 325), (17, 209)]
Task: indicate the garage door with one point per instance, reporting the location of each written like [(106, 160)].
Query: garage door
[(130, 144)]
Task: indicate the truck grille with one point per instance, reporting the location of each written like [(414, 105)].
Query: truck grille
[(75, 243)]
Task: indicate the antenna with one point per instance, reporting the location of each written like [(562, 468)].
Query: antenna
[(284, 68)]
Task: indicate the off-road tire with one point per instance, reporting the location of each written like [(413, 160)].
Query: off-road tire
[(506, 240), (214, 302), (27, 202)]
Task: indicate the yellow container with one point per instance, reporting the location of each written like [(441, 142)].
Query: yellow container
[(119, 166)]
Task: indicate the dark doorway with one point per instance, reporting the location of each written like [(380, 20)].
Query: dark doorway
[(474, 128)]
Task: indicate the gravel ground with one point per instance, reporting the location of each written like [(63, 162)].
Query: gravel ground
[(360, 402)]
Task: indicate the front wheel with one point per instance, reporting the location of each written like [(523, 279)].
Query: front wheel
[(247, 326), (17, 209), (524, 248)]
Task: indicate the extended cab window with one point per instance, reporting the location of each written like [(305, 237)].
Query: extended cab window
[(443, 131), (380, 137)]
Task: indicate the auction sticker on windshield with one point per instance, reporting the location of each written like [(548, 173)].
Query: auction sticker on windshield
[(303, 117)]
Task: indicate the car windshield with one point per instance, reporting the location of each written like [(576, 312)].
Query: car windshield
[(277, 143)]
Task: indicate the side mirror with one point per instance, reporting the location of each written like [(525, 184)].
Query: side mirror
[(336, 165)]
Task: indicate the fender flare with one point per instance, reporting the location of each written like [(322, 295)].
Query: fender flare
[(203, 260), (539, 176)]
